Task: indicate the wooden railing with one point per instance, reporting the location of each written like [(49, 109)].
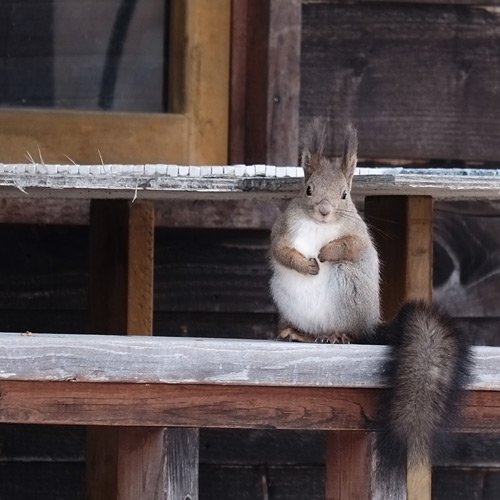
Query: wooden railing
[(145, 398)]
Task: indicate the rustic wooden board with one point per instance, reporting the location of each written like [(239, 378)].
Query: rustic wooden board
[(222, 406), (415, 79), (161, 181), (162, 360)]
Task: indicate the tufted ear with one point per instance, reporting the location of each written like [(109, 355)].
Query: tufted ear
[(313, 146), (350, 154)]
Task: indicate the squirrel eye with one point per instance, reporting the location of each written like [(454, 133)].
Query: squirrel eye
[(309, 191), (344, 195)]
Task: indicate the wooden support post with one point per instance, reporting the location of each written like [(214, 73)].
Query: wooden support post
[(402, 228), (348, 465), (182, 460), (130, 463), (121, 294)]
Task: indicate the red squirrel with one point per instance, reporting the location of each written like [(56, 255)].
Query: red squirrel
[(325, 285)]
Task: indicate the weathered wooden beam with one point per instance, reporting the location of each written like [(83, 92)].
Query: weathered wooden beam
[(156, 181), (161, 360), (214, 406)]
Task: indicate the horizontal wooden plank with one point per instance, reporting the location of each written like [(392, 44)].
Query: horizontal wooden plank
[(211, 406), (172, 360), (81, 136), (156, 181), (175, 405), (162, 360)]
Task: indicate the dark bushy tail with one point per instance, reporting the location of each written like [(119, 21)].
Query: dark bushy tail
[(428, 368)]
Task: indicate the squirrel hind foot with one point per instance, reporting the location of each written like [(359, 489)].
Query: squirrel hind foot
[(291, 334)]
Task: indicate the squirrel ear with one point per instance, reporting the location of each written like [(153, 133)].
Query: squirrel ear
[(350, 154), (313, 146)]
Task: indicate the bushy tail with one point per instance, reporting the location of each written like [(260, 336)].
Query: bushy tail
[(426, 372)]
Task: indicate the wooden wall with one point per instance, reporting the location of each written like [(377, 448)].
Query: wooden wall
[(420, 80)]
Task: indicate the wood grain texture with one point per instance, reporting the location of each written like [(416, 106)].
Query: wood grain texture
[(266, 81), (160, 405), (177, 405), (419, 259), (141, 225), (207, 55), (120, 137), (141, 463), (236, 182), (182, 447), (285, 28), (238, 76), (348, 465), (415, 79), (169, 360)]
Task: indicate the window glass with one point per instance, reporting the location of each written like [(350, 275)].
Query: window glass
[(83, 54)]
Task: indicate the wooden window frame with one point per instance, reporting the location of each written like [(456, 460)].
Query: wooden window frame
[(194, 133)]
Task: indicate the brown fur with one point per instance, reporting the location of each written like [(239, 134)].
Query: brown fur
[(344, 249)]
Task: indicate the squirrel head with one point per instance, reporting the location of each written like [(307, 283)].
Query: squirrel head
[(327, 181)]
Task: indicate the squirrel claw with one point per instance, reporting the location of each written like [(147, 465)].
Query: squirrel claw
[(336, 338)]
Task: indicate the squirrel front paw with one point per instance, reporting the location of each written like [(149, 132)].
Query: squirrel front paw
[(329, 253), (312, 267)]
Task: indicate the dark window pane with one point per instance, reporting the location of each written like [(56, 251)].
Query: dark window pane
[(82, 54)]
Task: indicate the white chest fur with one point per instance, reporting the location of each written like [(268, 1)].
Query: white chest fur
[(308, 237), (330, 300)]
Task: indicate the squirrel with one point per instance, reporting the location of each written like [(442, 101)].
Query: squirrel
[(325, 284)]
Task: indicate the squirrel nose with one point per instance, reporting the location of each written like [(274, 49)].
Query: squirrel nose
[(325, 208)]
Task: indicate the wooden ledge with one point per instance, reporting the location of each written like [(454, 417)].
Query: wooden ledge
[(229, 182), (160, 381)]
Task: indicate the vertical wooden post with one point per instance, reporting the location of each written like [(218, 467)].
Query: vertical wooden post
[(265, 81), (121, 284), (348, 465), (402, 228)]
